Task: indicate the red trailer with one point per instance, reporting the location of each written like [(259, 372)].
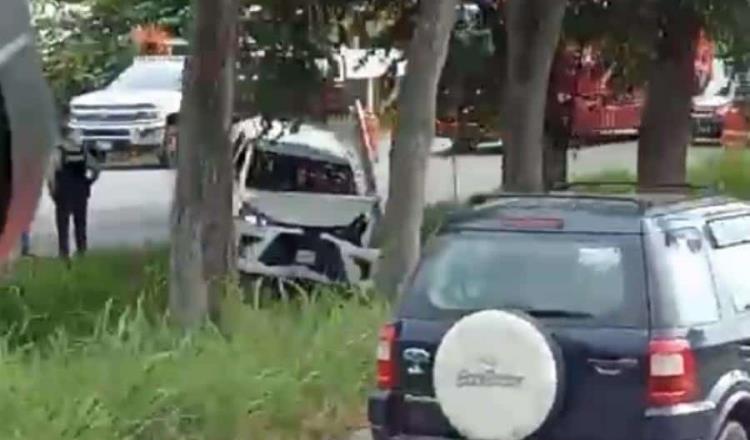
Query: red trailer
[(583, 97)]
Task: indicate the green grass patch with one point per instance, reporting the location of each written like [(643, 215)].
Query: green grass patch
[(588, 182), (115, 370), (729, 173), (43, 296)]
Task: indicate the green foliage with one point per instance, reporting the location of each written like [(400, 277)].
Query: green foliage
[(284, 42), (291, 370), (43, 296), (85, 43), (730, 172)]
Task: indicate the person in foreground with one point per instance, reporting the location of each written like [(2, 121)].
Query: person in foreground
[(72, 172)]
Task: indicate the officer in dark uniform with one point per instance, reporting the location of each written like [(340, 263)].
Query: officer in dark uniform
[(72, 173)]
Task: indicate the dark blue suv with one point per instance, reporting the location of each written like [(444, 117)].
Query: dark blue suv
[(574, 317)]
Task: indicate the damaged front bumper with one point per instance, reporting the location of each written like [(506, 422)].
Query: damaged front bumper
[(301, 253)]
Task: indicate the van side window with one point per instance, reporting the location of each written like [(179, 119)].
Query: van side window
[(731, 238), (689, 296)]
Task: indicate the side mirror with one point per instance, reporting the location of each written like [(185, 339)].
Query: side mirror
[(27, 123)]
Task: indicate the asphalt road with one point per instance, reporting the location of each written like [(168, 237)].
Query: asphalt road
[(131, 207)]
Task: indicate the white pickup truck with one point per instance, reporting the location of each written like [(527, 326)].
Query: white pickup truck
[(137, 112)]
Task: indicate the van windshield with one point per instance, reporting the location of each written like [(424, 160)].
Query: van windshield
[(271, 171), (545, 274)]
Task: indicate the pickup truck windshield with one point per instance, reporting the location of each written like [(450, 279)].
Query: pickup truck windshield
[(150, 76)]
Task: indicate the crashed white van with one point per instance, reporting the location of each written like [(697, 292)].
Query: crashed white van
[(303, 210)]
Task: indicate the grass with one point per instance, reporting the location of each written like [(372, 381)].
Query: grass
[(113, 369), (729, 173), (42, 296)]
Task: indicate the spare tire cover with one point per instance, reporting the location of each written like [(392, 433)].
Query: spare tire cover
[(496, 376)]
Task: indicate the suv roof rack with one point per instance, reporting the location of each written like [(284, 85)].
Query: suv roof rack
[(479, 199), (642, 201), (705, 190)]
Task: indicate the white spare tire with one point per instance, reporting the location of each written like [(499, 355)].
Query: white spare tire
[(497, 376)]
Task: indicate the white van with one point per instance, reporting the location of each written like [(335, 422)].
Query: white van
[(303, 211)]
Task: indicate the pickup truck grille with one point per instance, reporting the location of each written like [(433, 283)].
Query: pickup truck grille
[(133, 107), (106, 117), (106, 133)]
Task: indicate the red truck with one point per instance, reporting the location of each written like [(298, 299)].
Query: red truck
[(584, 98)]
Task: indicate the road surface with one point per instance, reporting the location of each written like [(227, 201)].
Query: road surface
[(131, 207)]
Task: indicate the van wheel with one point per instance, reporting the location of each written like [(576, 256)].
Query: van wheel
[(733, 431), (168, 150)]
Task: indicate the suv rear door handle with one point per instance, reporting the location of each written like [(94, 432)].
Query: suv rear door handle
[(612, 367)]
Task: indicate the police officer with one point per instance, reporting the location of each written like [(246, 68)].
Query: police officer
[(72, 172)]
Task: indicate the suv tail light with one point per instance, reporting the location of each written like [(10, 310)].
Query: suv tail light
[(386, 361), (672, 375)]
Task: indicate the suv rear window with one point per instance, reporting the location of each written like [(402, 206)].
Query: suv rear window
[(589, 277)]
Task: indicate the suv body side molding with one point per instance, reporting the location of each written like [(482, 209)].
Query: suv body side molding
[(717, 394), (682, 409)]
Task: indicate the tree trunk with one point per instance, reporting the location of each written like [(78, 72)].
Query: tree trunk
[(555, 159), (665, 128), (414, 135), (533, 34), (203, 254)]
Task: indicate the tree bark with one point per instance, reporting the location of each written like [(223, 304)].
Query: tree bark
[(555, 159), (665, 127), (414, 135), (533, 34), (203, 251)]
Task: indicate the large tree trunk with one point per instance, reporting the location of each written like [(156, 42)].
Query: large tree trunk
[(414, 135), (665, 129), (203, 255), (558, 125), (533, 34)]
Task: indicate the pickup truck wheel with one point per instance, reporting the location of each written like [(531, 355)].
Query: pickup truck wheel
[(168, 150), (733, 431)]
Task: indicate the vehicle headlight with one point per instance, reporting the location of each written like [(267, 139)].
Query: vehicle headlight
[(252, 216), (256, 220), (75, 135), (723, 110)]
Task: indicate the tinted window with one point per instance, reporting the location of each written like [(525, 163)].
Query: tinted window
[(730, 260), (730, 231), (733, 275), (683, 279), (590, 277)]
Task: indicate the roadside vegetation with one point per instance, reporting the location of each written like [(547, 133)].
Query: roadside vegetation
[(87, 354), (728, 173)]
